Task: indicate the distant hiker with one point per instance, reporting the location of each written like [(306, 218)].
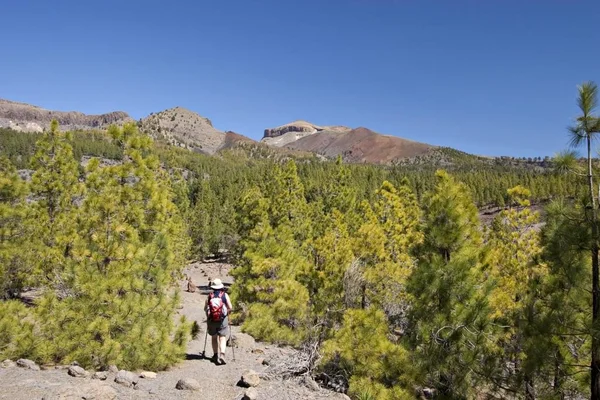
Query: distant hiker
[(191, 287), (217, 307)]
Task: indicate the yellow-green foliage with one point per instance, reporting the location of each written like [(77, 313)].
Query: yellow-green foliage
[(15, 259), (332, 256), (55, 186), (17, 331), (512, 259), (273, 258), (393, 222), (109, 265), (362, 350), (447, 319), (278, 308)]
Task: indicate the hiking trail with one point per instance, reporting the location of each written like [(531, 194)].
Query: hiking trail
[(215, 382)]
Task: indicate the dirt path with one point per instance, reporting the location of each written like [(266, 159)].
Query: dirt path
[(216, 382)]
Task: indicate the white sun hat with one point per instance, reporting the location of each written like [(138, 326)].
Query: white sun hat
[(217, 284)]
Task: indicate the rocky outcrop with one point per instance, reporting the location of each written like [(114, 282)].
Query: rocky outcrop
[(289, 133), (298, 126), (184, 128), (28, 118)]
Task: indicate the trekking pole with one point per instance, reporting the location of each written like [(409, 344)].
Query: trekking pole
[(230, 339), (232, 344), (205, 337)]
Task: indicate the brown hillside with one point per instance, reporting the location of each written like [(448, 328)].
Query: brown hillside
[(233, 139), (29, 118), (360, 145)]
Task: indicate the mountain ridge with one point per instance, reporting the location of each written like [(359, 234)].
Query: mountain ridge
[(30, 118), (181, 127)]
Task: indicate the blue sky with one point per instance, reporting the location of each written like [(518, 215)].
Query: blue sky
[(493, 77)]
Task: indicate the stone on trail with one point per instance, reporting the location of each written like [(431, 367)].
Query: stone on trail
[(148, 375), (126, 378), (249, 379), (8, 364), (100, 375), (24, 363), (250, 394), (187, 384), (77, 371)]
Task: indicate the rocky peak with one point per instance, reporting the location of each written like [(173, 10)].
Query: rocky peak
[(288, 133), (184, 128), (296, 126)]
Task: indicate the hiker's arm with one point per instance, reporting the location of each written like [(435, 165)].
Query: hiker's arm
[(228, 303)]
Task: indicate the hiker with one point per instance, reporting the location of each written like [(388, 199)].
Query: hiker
[(217, 307)]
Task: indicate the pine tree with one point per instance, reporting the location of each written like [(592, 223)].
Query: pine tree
[(15, 254), (266, 281), (447, 315), (274, 256), (131, 248), (564, 327), (513, 265), (393, 223), (55, 187), (288, 204), (332, 255), (372, 365)]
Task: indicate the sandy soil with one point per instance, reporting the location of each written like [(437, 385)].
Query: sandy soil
[(216, 382)]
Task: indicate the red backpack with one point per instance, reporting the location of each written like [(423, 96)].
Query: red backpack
[(216, 307)]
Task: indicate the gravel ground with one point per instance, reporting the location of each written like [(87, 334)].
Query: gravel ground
[(214, 382)]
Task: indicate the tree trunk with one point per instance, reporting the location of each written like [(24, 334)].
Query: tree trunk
[(363, 300), (558, 376), (529, 388), (595, 363)]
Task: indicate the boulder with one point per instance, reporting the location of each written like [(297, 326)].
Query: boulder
[(28, 364), (148, 375), (100, 375), (249, 379), (187, 384), (8, 364), (113, 369), (250, 394), (126, 378), (77, 371)]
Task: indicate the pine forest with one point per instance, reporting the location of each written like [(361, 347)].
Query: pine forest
[(470, 279)]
